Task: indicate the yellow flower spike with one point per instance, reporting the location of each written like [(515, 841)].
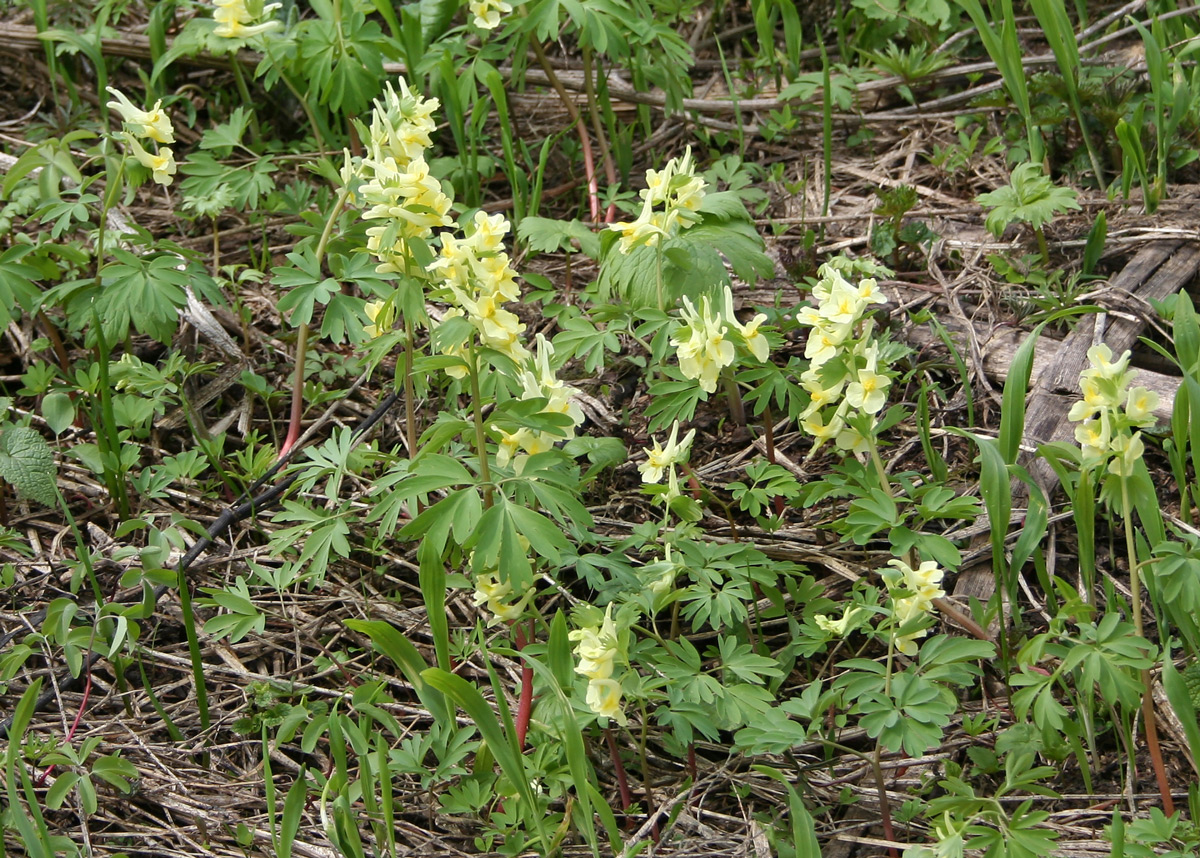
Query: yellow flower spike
[(701, 345), (597, 647), (153, 123)]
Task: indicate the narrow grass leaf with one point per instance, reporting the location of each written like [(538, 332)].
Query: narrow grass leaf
[(293, 810), (1185, 709), (804, 834)]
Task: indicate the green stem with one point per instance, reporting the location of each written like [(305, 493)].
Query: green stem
[(239, 79), (410, 410), (193, 642), (658, 275), (885, 481), (737, 411), (1042, 245), (485, 471)]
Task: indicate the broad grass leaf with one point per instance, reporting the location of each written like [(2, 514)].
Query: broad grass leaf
[(387, 640)]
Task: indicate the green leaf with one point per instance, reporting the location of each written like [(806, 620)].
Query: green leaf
[(547, 235), (1030, 197), (58, 410), (293, 808), (306, 285), (27, 464), (17, 289), (224, 137)]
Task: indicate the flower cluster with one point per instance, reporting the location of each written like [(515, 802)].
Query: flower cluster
[(540, 383), (497, 598), (921, 586), (397, 187), (487, 12), (1110, 411), (661, 460), (235, 21), (479, 279), (597, 650), (703, 344), (678, 190), (152, 124), (844, 377)]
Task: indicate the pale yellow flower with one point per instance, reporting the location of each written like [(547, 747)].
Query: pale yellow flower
[(234, 19), (400, 125), (1128, 450), (661, 459), (705, 351), (1101, 358), (869, 393), (823, 343), (1094, 435), (924, 582), (490, 231), (1139, 407), (597, 647), (372, 309), (645, 230), (852, 440), (604, 699), (843, 304), (153, 123), (923, 585), (497, 597), (751, 336), (487, 12), (161, 164), (815, 426), (869, 291), (840, 627)]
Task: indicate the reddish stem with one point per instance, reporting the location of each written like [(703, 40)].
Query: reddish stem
[(585, 143), (1160, 771), (87, 690), (525, 703), (297, 413), (619, 769)]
